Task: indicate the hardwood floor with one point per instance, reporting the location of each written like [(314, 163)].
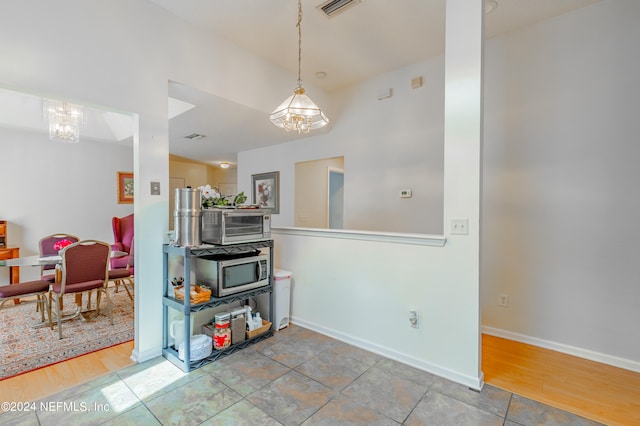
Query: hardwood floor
[(47, 381), (596, 391)]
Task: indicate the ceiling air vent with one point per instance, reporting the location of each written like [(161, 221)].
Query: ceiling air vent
[(334, 7), (194, 136)]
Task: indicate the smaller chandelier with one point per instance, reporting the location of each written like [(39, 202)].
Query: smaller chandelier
[(64, 121), (298, 112)]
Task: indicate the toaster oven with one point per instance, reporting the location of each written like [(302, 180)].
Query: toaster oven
[(232, 226)]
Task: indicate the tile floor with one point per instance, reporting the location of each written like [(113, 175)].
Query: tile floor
[(295, 377)]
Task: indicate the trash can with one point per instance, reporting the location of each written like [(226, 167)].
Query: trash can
[(282, 298)]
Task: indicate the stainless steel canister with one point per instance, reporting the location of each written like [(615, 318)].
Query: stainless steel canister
[(188, 217)]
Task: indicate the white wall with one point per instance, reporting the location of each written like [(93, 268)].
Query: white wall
[(559, 174), (362, 291), (387, 145), (42, 194), (560, 183), (394, 144)]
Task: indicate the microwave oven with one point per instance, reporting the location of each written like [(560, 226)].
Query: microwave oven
[(229, 274), (232, 226)]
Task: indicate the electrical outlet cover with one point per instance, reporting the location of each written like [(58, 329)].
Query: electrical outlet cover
[(460, 226), (504, 300)]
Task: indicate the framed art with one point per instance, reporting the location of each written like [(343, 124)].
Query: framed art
[(266, 191), (125, 188)]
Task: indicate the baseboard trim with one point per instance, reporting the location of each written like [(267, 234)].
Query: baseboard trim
[(146, 355), (614, 361), (473, 382)]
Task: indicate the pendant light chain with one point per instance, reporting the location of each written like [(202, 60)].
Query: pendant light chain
[(298, 112), (299, 43)]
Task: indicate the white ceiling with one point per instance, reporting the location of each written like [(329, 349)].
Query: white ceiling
[(227, 127), (28, 112), (368, 39)]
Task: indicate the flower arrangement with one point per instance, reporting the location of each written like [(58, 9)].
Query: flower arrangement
[(59, 245), (211, 196)]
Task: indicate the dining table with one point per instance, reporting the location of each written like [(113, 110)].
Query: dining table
[(36, 260)]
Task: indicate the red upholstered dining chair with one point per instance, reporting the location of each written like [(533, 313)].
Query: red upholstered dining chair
[(85, 267), (49, 247), (38, 288), (123, 240), (124, 276)]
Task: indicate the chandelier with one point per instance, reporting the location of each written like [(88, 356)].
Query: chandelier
[(298, 112), (64, 121)]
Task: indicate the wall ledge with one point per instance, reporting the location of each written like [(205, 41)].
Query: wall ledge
[(386, 237)]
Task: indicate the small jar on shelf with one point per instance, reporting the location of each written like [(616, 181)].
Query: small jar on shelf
[(222, 332)]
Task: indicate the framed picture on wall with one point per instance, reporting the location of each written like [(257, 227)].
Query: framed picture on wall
[(125, 188), (266, 191)]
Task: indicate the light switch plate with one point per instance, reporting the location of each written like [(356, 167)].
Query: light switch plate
[(155, 188), (460, 226)]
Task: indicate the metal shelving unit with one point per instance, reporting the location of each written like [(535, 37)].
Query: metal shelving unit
[(186, 308)]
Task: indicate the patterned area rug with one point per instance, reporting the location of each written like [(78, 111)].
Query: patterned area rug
[(24, 348)]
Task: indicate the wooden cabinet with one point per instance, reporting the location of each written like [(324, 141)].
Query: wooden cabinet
[(14, 271), (9, 253), (3, 233)]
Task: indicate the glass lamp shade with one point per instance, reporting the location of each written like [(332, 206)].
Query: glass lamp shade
[(64, 121), (299, 113)]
